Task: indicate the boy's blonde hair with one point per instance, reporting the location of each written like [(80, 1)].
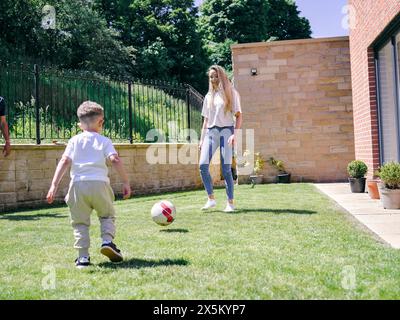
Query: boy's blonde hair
[(89, 111)]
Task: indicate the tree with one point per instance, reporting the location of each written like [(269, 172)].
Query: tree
[(220, 53), (16, 28), (238, 20), (284, 22), (224, 22), (79, 38), (161, 30)]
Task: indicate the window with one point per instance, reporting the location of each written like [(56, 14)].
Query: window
[(388, 106)]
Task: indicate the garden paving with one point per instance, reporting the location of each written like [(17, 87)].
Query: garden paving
[(384, 223)]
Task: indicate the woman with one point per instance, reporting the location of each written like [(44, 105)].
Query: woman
[(220, 106)]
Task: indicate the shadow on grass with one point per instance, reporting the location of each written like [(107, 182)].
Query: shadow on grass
[(274, 211), (141, 263), (20, 217), (175, 230)]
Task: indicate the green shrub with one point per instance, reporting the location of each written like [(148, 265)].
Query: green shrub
[(357, 169), (277, 164), (390, 175), (258, 163)]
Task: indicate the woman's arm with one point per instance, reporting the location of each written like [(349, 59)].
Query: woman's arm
[(203, 132), (239, 119), (238, 125)]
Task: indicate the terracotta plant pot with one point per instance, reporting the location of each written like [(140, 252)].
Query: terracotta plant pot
[(373, 190)]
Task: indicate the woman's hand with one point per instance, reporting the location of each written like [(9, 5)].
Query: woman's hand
[(231, 140)]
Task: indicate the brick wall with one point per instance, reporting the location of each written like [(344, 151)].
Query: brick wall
[(26, 174), (372, 16), (299, 104)]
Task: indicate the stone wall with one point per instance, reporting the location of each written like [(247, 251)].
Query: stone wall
[(299, 104), (25, 175)]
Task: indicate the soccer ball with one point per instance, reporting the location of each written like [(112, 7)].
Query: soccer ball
[(163, 213)]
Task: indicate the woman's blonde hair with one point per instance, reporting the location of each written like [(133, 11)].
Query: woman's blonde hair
[(224, 85)]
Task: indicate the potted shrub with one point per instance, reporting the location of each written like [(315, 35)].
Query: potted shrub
[(283, 176), (372, 185), (357, 170), (389, 188), (258, 165), (256, 177)]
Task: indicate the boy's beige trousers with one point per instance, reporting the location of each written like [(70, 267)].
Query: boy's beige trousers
[(83, 197)]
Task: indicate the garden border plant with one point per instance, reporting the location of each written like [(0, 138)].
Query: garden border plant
[(357, 170)]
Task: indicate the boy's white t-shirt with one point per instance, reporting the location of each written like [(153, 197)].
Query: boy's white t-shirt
[(216, 115), (88, 152)]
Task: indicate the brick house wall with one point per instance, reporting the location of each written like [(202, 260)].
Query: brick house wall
[(372, 17), (26, 174), (299, 105)]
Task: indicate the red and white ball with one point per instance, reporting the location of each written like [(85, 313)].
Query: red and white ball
[(163, 213)]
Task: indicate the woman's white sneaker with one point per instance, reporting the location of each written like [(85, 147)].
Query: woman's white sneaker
[(229, 207), (211, 203)]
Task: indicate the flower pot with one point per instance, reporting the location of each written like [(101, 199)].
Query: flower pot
[(357, 185), (390, 198), (283, 178), (256, 179), (373, 190)]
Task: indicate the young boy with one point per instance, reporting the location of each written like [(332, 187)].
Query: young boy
[(90, 186)]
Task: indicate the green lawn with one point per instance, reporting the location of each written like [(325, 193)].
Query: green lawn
[(284, 242)]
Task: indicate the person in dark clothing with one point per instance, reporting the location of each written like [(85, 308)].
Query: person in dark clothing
[(4, 127)]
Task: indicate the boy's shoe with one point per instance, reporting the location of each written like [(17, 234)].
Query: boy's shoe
[(229, 207), (211, 203), (111, 251), (82, 262)]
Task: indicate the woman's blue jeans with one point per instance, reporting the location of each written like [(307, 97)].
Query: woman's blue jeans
[(217, 137)]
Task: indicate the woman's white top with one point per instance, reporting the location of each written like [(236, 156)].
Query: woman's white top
[(216, 114)]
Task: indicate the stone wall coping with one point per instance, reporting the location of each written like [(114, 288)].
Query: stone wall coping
[(287, 42), (117, 145)]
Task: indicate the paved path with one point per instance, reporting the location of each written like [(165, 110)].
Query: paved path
[(384, 223)]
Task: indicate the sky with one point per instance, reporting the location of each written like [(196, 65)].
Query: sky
[(325, 16)]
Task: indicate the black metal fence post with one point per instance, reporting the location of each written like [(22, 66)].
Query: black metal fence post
[(37, 101), (130, 112), (188, 138), (50, 93)]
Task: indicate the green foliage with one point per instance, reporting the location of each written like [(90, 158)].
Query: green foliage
[(154, 61), (153, 106), (238, 20), (284, 22), (357, 169), (80, 38), (164, 32), (159, 39), (277, 164), (224, 22), (390, 175), (220, 53), (258, 163)]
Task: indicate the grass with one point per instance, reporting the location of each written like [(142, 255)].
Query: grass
[(284, 242)]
